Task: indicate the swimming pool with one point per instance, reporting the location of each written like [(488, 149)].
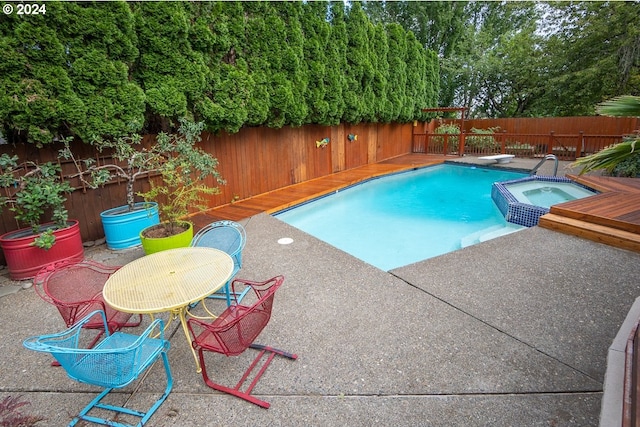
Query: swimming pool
[(407, 217)]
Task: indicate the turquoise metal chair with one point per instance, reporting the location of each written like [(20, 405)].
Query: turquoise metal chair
[(114, 362), (230, 237)]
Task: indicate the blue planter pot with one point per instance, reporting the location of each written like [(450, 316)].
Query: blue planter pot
[(122, 227)]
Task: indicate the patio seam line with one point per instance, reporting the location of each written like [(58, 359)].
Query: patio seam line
[(502, 332), (216, 393), (517, 393)]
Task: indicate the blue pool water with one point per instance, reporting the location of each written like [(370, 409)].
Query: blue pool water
[(407, 217)]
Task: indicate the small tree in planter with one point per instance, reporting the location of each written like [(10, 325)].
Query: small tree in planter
[(39, 190), (129, 161), (183, 171), (33, 191), (181, 166)]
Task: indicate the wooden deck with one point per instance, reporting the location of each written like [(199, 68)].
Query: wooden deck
[(292, 195), (612, 217)]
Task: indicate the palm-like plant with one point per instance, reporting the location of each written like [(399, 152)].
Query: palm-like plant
[(613, 156), (625, 105)]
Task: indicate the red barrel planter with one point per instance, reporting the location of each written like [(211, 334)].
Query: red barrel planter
[(25, 260)]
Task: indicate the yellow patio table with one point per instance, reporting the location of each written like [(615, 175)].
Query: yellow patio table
[(169, 281)]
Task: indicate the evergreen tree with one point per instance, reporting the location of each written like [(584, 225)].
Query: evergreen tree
[(172, 75), (36, 95), (294, 67), (397, 58), (106, 69), (67, 72), (337, 61), (417, 95), (101, 44), (220, 37), (380, 62), (316, 41), (359, 71)]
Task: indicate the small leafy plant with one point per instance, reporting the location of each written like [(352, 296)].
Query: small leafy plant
[(33, 190), (482, 139), (12, 416), (622, 159), (447, 129)]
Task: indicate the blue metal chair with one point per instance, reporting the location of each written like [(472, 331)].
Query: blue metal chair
[(230, 237), (114, 362)]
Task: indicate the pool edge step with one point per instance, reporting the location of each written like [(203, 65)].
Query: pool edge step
[(588, 230)]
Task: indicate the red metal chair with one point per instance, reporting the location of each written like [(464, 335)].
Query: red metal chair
[(75, 289), (234, 331)]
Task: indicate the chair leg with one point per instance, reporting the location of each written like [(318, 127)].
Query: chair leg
[(246, 394), (226, 294), (222, 293), (144, 416)]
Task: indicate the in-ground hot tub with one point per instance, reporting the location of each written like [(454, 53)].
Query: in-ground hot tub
[(523, 201)]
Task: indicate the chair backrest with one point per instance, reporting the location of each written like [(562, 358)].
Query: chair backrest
[(113, 363), (239, 325), (75, 288), (228, 236)]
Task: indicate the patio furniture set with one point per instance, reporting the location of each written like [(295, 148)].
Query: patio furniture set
[(96, 301)]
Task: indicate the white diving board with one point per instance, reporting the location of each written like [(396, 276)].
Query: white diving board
[(500, 158)]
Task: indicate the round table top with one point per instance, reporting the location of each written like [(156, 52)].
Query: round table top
[(168, 280)]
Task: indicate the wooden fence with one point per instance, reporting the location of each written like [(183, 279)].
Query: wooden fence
[(566, 137), (590, 125), (252, 161), (259, 160), (564, 146)]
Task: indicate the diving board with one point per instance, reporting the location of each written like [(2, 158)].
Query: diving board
[(500, 158)]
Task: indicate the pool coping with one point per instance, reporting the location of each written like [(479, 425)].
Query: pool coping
[(366, 180)]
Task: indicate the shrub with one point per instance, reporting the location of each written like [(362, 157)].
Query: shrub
[(482, 138)]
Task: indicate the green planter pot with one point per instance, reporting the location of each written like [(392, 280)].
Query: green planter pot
[(152, 245)]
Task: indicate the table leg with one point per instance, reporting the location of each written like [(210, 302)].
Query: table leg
[(183, 322), (204, 306), (167, 323)]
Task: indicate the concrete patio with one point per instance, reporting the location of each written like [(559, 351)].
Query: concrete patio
[(513, 331)]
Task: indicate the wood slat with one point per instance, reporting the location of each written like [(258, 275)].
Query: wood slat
[(588, 230), (608, 183)]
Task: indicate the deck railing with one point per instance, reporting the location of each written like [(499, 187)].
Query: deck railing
[(564, 146)]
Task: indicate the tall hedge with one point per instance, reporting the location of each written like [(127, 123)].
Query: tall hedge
[(112, 68)]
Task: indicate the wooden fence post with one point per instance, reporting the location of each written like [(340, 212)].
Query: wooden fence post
[(580, 145), (445, 148)]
